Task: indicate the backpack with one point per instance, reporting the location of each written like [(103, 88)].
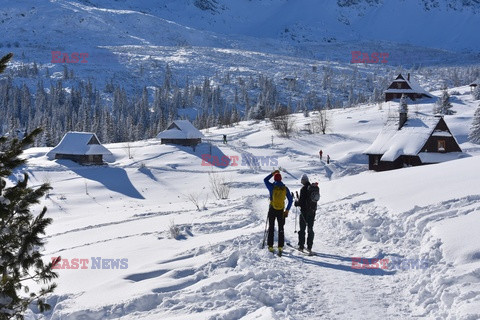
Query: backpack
[(313, 193), (278, 197)]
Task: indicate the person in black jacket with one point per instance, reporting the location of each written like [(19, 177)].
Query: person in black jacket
[(308, 209)]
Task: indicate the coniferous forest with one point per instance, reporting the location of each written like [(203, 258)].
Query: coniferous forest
[(118, 114)]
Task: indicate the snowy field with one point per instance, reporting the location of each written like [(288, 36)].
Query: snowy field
[(425, 217)]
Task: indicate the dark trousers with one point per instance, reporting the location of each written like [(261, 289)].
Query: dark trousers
[(306, 220), (278, 215)]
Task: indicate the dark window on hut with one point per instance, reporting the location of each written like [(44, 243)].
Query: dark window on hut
[(441, 145), (375, 160)]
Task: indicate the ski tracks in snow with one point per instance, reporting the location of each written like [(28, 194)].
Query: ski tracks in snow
[(370, 231), (233, 278)]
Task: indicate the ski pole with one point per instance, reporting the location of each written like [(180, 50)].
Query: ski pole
[(296, 214), (265, 233)]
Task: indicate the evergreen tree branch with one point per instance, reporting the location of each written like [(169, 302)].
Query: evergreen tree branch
[(4, 61)]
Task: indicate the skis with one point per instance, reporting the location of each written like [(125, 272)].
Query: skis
[(305, 252), (277, 252)]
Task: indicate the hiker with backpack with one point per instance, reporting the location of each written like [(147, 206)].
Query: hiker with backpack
[(277, 211), (309, 196)]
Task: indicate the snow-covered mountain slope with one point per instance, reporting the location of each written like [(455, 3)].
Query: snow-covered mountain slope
[(411, 21), (420, 23), (215, 268), (159, 31)]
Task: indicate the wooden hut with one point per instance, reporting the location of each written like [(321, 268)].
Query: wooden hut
[(407, 86), (181, 132), (474, 84), (81, 147), (412, 142)]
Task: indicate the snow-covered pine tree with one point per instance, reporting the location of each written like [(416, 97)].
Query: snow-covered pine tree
[(305, 112), (327, 77), (474, 134), (443, 105), (403, 107), (235, 116), (4, 60), (328, 103), (21, 242), (20, 232), (351, 97), (257, 112), (476, 93), (205, 5), (65, 72), (227, 116)]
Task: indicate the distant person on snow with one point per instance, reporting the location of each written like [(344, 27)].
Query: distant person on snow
[(309, 195), (278, 193), (328, 159), (321, 154), (225, 138)]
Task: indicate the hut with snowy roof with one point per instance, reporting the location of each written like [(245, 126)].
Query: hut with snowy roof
[(412, 142), (474, 84), (81, 147), (406, 86), (181, 132)]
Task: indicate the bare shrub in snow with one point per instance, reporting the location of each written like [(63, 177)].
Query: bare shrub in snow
[(320, 122), (219, 185), (174, 230), (204, 203), (284, 124), (128, 150), (194, 198)]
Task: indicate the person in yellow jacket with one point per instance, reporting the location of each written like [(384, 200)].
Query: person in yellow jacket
[(278, 193)]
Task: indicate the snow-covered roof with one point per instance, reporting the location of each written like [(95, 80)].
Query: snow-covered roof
[(435, 157), (79, 143), (440, 133), (180, 129), (415, 87), (408, 141)]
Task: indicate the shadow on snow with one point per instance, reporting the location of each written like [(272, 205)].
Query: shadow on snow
[(210, 155), (114, 179), (348, 268)]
